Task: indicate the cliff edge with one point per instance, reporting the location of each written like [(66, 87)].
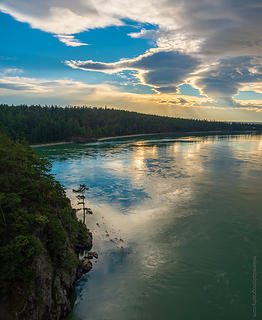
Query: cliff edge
[(40, 238)]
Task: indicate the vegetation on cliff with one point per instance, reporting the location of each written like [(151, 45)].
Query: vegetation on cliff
[(39, 236), (39, 124)]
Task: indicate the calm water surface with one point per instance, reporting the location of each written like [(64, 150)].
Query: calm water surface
[(189, 213)]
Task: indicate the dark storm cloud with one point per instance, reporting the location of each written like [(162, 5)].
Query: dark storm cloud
[(223, 80), (162, 70)]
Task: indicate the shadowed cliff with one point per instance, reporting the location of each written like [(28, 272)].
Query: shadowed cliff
[(40, 237)]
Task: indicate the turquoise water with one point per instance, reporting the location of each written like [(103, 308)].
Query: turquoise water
[(189, 213)]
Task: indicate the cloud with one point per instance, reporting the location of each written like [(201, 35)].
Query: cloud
[(22, 90), (70, 40), (223, 36), (144, 34), (27, 85), (212, 27), (60, 17), (224, 79), (162, 70), (32, 90), (9, 85), (12, 70)]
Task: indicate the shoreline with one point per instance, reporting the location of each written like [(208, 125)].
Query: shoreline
[(131, 136), (141, 135), (49, 144), (158, 134)]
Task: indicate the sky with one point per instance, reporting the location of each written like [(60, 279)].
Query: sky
[(194, 59)]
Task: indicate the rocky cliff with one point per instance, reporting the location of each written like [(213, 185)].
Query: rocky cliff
[(40, 238), (51, 288)]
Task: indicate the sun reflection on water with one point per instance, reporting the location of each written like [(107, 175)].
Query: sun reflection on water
[(176, 206)]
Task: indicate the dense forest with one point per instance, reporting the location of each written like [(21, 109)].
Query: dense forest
[(39, 237), (39, 124)]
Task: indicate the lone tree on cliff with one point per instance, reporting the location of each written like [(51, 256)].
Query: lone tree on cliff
[(81, 197)]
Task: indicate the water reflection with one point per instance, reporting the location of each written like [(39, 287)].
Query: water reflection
[(187, 210)]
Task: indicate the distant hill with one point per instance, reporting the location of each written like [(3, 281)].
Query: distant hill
[(39, 124)]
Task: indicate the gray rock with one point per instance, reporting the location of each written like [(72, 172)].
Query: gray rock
[(91, 255)]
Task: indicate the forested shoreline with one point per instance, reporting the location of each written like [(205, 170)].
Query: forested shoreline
[(38, 124)]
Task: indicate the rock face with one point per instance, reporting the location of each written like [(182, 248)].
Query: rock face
[(84, 267), (40, 238), (54, 273), (51, 289)]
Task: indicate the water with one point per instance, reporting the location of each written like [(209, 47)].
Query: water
[(188, 211)]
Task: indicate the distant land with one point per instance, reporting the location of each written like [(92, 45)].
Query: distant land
[(48, 124)]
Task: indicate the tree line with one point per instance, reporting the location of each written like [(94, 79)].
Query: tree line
[(40, 124)]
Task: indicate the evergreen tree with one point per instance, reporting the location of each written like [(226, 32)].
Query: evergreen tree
[(39, 124)]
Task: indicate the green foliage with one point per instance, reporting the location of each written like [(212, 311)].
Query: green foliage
[(39, 124), (41, 220), (36, 219)]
